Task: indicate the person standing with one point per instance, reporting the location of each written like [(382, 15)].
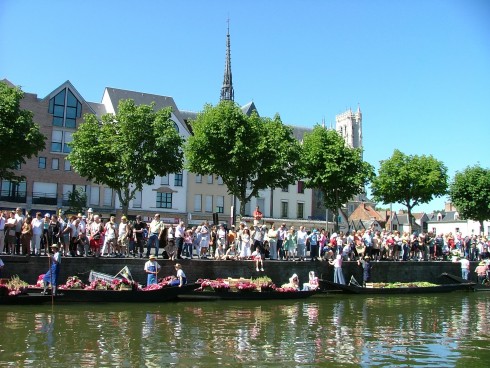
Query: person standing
[(123, 239), (3, 221), (301, 236), (37, 233), (156, 229), (138, 229), (26, 236), (151, 268), (272, 235), (20, 218), (366, 269), (205, 239), (179, 238), (51, 277), (465, 268), (257, 214), (11, 240), (338, 275), (313, 245)]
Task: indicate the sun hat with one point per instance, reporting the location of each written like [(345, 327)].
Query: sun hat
[(90, 210), (153, 256), (482, 263), (367, 257), (55, 246), (47, 215)]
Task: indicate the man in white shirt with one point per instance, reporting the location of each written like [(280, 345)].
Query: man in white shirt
[(37, 232), (156, 229), (20, 218), (179, 238), (465, 268)]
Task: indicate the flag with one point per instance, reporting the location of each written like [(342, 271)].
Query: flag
[(126, 273)]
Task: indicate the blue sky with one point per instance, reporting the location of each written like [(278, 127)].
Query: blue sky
[(420, 70)]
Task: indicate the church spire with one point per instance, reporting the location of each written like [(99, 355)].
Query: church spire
[(227, 92)]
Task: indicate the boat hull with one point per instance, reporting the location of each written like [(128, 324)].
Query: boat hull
[(168, 293), (474, 286), (351, 289), (25, 299), (247, 295)]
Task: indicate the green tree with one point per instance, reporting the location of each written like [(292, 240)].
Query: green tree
[(329, 165), (246, 151), (409, 180), (20, 137), (127, 150), (470, 193)]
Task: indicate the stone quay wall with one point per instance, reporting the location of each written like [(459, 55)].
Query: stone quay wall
[(28, 269)]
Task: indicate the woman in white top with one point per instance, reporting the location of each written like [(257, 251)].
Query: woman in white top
[(123, 240), (245, 253), (301, 236), (272, 236)]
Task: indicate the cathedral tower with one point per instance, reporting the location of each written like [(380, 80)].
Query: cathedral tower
[(349, 126), (227, 92)]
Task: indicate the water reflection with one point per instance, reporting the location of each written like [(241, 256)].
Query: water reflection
[(446, 330)]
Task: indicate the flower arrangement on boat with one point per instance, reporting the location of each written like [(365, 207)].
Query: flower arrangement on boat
[(98, 284), (246, 286), (40, 281), (121, 284), (73, 282), (14, 286)]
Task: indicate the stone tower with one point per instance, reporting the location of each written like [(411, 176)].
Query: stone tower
[(349, 126), (227, 92)]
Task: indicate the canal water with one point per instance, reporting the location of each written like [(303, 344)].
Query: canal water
[(445, 330)]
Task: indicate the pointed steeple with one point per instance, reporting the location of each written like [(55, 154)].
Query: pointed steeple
[(227, 92)]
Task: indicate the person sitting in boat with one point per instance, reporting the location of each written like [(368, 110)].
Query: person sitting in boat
[(257, 257), (151, 268), (366, 266), (181, 279), (312, 284), (293, 283), (481, 271), (51, 277)]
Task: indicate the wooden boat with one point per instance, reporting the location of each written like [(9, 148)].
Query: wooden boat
[(25, 299), (355, 289), (246, 295), (167, 293), (474, 286)]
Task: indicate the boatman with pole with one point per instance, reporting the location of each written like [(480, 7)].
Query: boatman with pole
[(51, 277), (151, 268)]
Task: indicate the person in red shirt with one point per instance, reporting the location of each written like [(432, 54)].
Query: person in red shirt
[(257, 214)]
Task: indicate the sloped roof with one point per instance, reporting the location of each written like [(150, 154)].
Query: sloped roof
[(450, 216), (249, 108), (141, 98), (98, 108), (365, 212)]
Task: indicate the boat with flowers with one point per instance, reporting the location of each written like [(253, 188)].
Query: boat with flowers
[(15, 292), (244, 289), (391, 288), (116, 289)]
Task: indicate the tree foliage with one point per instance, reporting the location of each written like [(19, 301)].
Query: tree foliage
[(246, 151), (329, 165), (127, 150), (409, 180), (77, 200), (20, 137), (470, 193)]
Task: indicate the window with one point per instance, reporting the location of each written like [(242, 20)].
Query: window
[(301, 210), (209, 204), (67, 165), (285, 189), (220, 204), (13, 191), (164, 180), (65, 109), (60, 140), (42, 163), (55, 164), (220, 180), (164, 200), (210, 179), (176, 126), (301, 188), (107, 197), (284, 209), (137, 199), (94, 196), (178, 180), (197, 202), (198, 178)]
